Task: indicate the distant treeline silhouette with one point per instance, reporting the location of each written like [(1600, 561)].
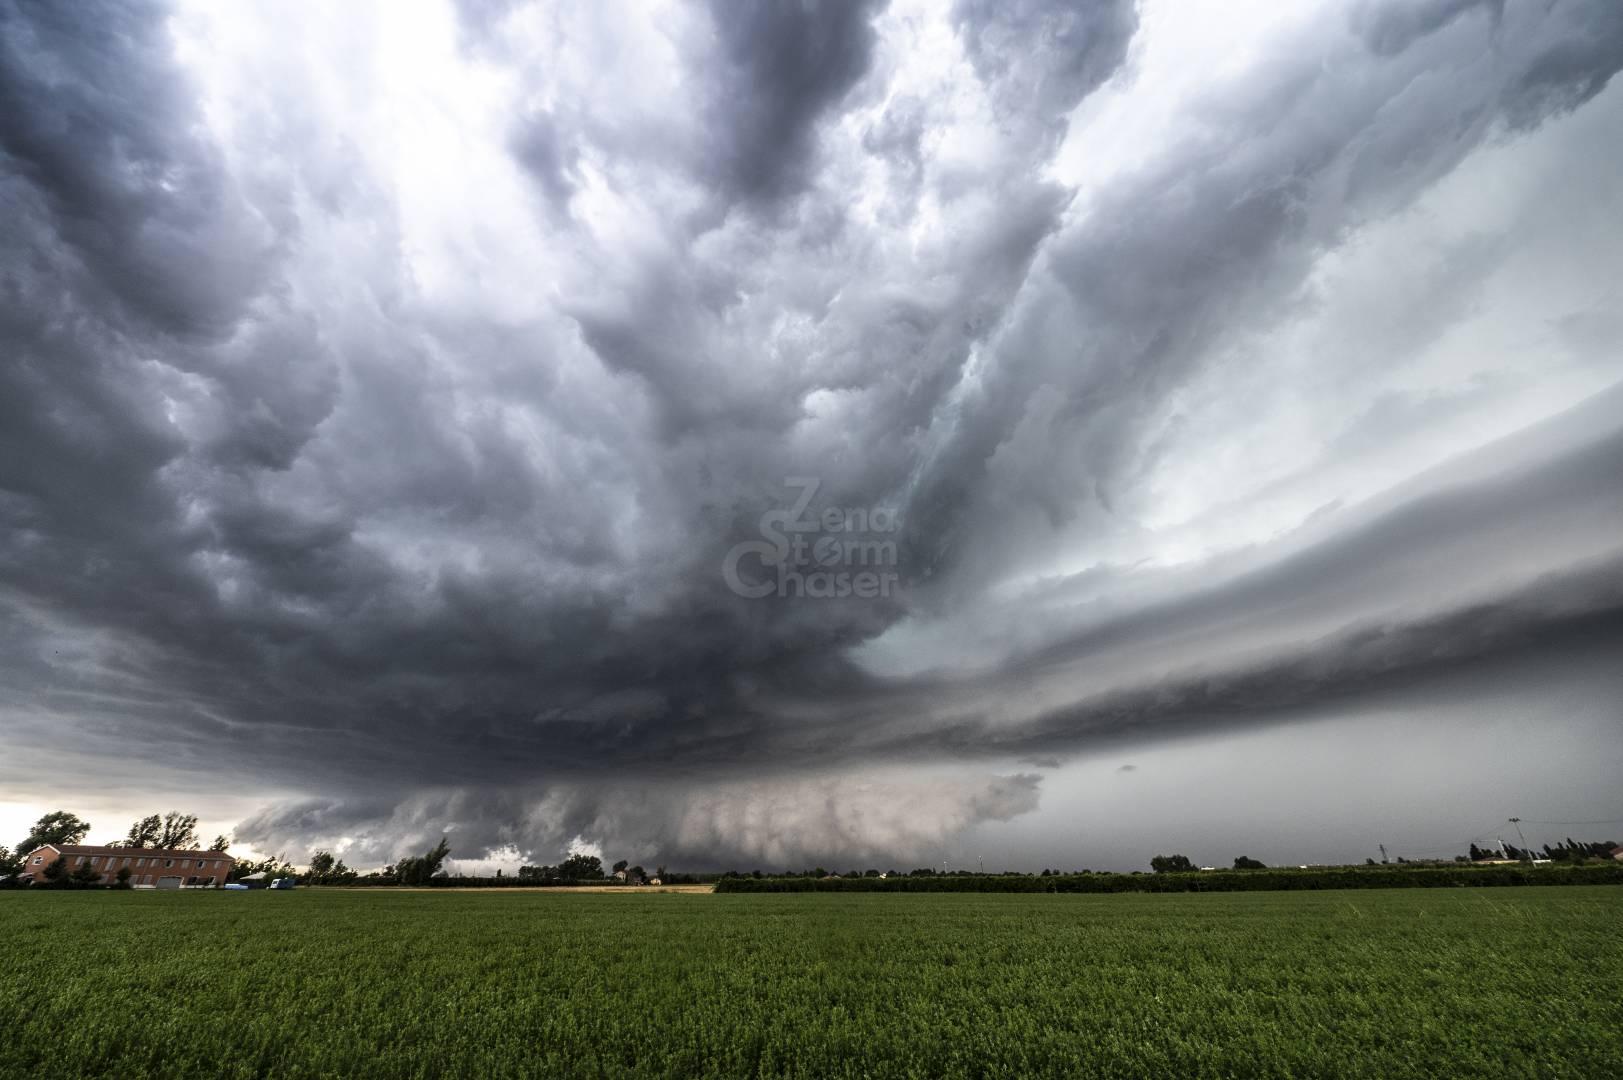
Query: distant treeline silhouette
[(1356, 877)]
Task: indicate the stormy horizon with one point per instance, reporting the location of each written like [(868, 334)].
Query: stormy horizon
[(860, 434)]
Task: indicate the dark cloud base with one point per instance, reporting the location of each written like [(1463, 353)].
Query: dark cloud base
[(295, 517)]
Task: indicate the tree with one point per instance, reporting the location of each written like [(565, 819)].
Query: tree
[(581, 868), (10, 863), (619, 866), (325, 869), (221, 843), (1171, 864), (1246, 862), (58, 827), (84, 875), (123, 878), (56, 873), (173, 830), (145, 832), (417, 869), (179, 831)]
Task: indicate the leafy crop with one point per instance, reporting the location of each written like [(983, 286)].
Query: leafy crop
[(1422, 983)]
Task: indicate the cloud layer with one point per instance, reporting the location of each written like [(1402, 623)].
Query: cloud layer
[(380, 403)]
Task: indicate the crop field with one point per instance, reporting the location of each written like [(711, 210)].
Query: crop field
[(1422, 983)]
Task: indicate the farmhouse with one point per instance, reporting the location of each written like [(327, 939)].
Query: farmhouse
[(159, 868)]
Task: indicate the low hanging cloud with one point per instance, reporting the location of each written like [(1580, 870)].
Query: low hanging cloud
[(860, 818), (380, 441)]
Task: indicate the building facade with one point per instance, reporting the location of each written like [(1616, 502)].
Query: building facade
[(159, 868)]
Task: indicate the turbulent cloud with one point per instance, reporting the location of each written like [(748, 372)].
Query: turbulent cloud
[(105, 139), (783, 64), (1040, 58), (376, 414), (768, 824)]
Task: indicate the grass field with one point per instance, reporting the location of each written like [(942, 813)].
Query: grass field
[(1512, 982)]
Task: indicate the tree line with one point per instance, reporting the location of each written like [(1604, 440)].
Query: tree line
[(1570, 851), (1351, 877)]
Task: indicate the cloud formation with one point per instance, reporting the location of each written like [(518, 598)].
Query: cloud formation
[(852, 818), (376, 415)]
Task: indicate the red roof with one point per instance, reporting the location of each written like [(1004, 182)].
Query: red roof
[(110, 849)]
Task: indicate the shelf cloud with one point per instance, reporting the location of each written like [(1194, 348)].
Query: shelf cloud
[(784, 433)]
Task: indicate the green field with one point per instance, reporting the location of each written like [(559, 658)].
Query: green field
[(1514, 982)]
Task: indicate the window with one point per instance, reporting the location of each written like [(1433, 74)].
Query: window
[(141, 861), (38, 859), (169, 862), (200, 864)]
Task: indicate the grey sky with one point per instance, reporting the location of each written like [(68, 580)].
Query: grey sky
[(384, 389)]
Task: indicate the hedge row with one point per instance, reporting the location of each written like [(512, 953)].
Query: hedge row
[(1365, 877)]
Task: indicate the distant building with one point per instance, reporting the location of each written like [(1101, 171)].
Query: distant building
[(1617, 852), (157, 867)]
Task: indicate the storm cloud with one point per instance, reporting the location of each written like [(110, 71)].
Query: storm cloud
[(382, 402)]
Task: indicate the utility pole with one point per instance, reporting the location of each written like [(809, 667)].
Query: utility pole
[(1383, 853), (1516, 821), (982, 862)]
